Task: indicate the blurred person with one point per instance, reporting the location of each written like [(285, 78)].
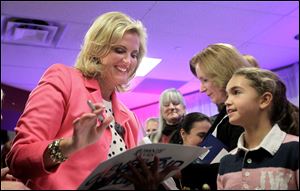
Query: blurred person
[(2, 95), (4, 134), (8, 182), (4, 150), (172, 110), (151, 125), (69, 139), (251, 60), (266, 157)]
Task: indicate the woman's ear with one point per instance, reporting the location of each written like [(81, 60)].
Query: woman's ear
[(265, 100), (182, 133)]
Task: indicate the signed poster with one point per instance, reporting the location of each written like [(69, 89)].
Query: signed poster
[(108, 174)]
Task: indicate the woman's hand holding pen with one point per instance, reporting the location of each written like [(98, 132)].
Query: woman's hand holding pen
[(88, 129)]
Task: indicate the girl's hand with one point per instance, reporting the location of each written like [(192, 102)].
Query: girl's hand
[(147, 178)]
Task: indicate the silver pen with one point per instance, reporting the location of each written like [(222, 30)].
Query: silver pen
[(93, 108)]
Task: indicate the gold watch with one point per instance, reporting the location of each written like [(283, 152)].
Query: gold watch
[(55, 153)]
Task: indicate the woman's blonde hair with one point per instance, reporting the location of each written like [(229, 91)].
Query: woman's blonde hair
[(107, 30), (219, 62), (251, 60)]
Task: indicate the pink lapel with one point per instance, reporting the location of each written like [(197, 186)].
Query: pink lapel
[(121, 115)]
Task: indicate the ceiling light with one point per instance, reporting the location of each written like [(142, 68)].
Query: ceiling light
[(147, 65)]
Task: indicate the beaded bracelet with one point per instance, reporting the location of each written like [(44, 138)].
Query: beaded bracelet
[(55, 153)]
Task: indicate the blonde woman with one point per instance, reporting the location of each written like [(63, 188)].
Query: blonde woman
[(214, 66), (60, 139)]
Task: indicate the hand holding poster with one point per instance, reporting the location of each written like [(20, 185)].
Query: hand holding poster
[(108, 175)]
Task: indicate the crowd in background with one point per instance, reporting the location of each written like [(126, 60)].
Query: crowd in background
[(257, 124)]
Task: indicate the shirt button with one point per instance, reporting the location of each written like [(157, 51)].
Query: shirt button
[(247, 173), (205, 187), (249, 161)]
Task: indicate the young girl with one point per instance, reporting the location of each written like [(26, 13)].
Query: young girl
[(266, 157)]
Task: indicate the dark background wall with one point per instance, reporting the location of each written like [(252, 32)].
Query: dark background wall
[(12, 106)]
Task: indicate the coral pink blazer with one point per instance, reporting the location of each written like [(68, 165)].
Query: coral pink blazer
[(59, 98)]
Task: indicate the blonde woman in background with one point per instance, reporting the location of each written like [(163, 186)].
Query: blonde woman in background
[(214, 66), (151, 125), (251, 60)]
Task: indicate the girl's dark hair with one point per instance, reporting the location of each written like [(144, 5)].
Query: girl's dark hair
[(191, 118), (285, 113)]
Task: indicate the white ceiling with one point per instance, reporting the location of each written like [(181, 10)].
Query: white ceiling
[(176, 31)]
